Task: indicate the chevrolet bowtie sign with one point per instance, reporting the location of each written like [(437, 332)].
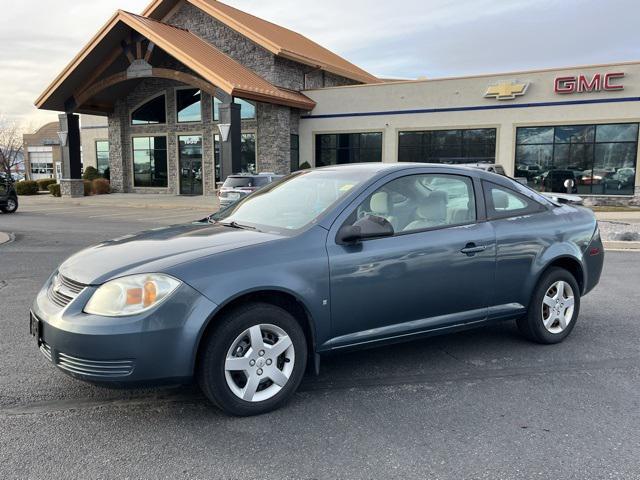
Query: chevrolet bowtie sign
[(507, 90)]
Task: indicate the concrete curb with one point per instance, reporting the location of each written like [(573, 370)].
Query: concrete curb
[(4, 238), (615, 246)]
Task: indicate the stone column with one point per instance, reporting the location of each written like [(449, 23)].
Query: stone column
[(71, 184), (230, 150)]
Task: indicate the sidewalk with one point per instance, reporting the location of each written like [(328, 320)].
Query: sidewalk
[(166, 202)]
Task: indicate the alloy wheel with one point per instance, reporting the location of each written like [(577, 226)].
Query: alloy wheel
[(11, 205), (259, 363), (557, 307)]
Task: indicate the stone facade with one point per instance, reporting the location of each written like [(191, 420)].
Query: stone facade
[(272, 126), (73, 188)]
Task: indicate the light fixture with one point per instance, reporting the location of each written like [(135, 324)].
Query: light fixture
[(224, 128), (63, 136)]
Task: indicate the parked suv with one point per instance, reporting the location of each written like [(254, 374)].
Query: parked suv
[(8, 196), (239, 186)]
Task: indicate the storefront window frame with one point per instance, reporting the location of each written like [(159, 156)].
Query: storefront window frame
[(336, 146), (139, 123), (593, 143), (426, 148), (133, 150)]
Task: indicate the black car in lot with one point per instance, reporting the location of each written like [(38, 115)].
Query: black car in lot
[(8, 195)]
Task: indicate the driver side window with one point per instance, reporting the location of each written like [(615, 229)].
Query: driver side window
[(420, 202)]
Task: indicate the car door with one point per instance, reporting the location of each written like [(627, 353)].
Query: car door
[(524, 229), (436, 271)]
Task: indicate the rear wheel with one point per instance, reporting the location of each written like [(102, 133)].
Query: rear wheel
[(554, 308), (253, 361), (11, 205)]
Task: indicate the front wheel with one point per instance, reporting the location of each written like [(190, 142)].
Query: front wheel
[(554, 308), (11, 205), (253, 361)]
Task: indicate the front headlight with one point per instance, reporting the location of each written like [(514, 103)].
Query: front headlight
[(131, 295)]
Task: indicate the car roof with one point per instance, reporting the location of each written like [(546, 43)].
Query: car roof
[(386, 168)]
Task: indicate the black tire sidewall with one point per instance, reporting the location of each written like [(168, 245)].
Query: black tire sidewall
[(211, 374), (536, 327), (6, 208)]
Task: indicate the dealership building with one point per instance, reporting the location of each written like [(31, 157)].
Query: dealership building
[(194, 90)]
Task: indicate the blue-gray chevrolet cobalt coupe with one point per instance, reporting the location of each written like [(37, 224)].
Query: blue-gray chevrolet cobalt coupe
[(324, 260)]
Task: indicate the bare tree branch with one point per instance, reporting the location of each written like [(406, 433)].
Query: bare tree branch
[(11, 146)]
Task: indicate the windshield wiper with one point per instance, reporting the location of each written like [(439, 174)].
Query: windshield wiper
[(237, 225)]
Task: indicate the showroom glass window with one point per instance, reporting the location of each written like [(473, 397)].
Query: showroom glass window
[(189, 105), (599, 159), (448, 146), (150, 162), (247, 109), (341, 148), (151, 113), (295, 152), (248, 153), (102, 156)]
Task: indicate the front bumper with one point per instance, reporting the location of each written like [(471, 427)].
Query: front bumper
[(154, 346)]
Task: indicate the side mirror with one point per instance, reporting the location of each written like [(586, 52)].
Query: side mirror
[(370, 226)]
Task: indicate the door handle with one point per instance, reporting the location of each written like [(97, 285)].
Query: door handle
[(471, 249)]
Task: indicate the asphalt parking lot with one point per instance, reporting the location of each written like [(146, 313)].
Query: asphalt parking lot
[(480, 404)]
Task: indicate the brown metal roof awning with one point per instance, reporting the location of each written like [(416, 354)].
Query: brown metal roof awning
[(202, 58), (278, 40)]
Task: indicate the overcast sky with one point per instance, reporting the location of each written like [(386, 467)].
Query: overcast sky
[(399, 38)]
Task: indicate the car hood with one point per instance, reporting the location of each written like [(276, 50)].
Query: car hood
[(156, 250)]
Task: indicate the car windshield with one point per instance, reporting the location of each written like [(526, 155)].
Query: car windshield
[(294, 202)]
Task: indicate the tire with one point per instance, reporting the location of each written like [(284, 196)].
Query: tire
[(11, 206), (546, 304), (232, 340)]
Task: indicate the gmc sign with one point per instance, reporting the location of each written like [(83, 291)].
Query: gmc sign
[(581, 84)]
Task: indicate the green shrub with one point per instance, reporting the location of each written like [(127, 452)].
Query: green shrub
[(54, 189), (305, 166), (101, 186), (88, 187), (27, 187), (43, 183), (90, 173)]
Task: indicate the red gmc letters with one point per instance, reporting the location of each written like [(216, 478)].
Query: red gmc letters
[(598, 83)]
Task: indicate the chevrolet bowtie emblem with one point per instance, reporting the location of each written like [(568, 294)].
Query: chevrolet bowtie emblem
[(507, 90)]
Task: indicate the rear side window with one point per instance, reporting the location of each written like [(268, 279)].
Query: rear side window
[(235, 182), (503, 202)]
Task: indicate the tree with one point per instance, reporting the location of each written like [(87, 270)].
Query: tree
[(11, 154)]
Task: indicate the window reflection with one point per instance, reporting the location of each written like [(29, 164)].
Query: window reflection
[(342, 148), (150, 161), (189, 105), (599, 159), (151, 113), (448, 146)]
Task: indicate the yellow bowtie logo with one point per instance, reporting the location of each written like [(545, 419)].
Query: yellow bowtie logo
[(506, 90)]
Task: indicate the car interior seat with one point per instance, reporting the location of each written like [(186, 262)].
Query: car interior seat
[(431, 213), (380, 205)]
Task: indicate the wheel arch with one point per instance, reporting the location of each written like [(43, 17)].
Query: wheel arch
[(568, 263), (282, 298)]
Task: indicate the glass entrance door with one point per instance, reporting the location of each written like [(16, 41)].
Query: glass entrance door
[(190, 158)]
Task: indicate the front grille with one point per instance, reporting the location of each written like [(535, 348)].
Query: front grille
[(46, 351), (88, 368), (71, 285), (62, 290)]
